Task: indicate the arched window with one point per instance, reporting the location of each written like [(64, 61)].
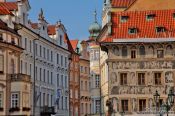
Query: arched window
[(160, 51), (142, 50), (133, 52), (1, 61), (115, 51), (169, 50), (124, 51), (151, 50)]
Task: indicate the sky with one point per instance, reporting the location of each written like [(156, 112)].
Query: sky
[(76, 15)]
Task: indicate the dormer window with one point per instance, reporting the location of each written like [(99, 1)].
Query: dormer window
[(132, 30), (174, 15), (150, 16), (124, 18), (160, 29), (61, 40)]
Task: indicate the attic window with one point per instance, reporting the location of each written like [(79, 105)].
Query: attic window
[(150, 16), (124, 18), (174, 15), (160, 29), (132, 30)]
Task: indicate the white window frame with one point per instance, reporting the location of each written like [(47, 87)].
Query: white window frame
[(13, 100)]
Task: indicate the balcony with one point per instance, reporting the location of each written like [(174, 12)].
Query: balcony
[(19, 77), (47, 111)]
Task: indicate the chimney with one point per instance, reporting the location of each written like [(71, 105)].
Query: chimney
[(2, 0)]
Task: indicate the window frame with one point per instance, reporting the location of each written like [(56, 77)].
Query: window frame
[(14, 100)]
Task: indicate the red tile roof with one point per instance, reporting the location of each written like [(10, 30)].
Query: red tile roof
[(145, 28), (4, 11), (34, 25), (9, 5), (51, 29), (74, 43), (66, 40), (122, 3)]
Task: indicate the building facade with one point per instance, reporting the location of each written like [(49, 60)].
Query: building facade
[(15, 87), (94, 52), (84, 67), (45, 59), (74, 80), (136, 59)]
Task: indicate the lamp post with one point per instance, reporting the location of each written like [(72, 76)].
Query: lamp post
[(169, 101)]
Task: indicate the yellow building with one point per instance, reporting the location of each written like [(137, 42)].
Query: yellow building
[(15, 88)]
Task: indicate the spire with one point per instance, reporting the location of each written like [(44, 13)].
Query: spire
[(41, 15), (95, 15)]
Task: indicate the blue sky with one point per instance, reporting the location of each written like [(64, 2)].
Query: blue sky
[(76, 15)]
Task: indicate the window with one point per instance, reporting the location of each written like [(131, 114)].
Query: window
[(30, 46), (58, 76), (48, 77), (85, 85), (36, 73), (47, 99), (174, 15), (124, 104), (14, 100), (142, 105), (141, 78), (150, 17), (85, 70), (1, 100), (124, 18), (61, 81), (2, 63), (36, 49), (21, 66), (44, 73), (132, 30), (40, 51), (142, 50), (44, 99), (123, 79), (30, 69), (51, 76), (66, 103), (51, 97), (97, 106), (62, 102), (58, 58), (66, 82), (160, 29), (51, 54), (82, 88), (47, 54), (133, 54), (97, 81), (25, 43), (157, 78), (81, 69), (65, 61), (61, 60), (124, 51), (44, 52), (40, 74), (160, 53), (61, 40)]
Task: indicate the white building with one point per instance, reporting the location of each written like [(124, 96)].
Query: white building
[(51, 59)]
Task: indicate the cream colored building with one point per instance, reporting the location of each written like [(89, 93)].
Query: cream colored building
[(136, 59), (15, 87), (84, 63)]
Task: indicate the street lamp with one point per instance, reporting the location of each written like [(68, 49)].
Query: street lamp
[(169, 101)]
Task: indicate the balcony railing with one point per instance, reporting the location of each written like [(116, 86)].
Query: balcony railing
[(19, 77)]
